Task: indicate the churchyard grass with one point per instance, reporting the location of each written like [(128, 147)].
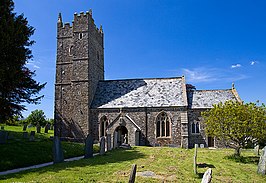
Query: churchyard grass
[(20, 152), (169, 164)]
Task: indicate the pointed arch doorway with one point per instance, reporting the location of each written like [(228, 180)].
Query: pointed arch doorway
[(120, 136)]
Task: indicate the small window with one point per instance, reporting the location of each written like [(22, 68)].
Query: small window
[(103, 126), (162, 125), (195, 127), (80, 35), (71, 50), (98, 55)]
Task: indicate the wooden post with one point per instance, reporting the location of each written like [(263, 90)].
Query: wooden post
[(195, 159)]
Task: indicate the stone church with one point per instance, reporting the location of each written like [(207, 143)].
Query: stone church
[(152, 111)]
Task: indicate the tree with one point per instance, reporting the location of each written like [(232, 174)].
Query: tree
[(35, 117), (17, 85), (236, 123)]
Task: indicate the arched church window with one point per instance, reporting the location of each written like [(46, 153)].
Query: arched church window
[(103, 126), (195, 127), (80, 35), (162, 125), (71, 50)]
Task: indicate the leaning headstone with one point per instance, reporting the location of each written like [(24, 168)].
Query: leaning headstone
[(38, 128), (89, 146), (25, 126), (3, 136), (2, 128), (25, 135), (57, 150), (32, 135), (207, 177), (108, 142), (133, 174), (102, 145), (47, 127), (257, 150), (195, 159), (262, 162)]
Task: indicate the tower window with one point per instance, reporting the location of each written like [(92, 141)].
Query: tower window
[(162, 125), (195, 127), (71, 50), (98, 55), (80, 35)]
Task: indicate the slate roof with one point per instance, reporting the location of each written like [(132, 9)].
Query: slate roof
[(206, 98), (163, 92)]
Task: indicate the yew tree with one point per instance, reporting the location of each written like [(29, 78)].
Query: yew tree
[(17, 85), (236, 123)]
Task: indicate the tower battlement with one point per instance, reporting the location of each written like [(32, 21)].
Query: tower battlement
[(81, 18)]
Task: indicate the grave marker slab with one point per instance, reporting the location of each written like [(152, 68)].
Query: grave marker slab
[(24, 127), (3, 136), (32, 136), (89, 146), (257, 150), (58, 154), (25, 135), (133, 174), (102, 145), (38, 128), (262, 162), (207, 177)]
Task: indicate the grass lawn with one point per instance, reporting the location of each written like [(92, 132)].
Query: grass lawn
[(170, 164), (19, 152)]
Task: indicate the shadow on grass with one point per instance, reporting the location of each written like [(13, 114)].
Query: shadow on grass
[(114, 156), (20, 152), (244, 160), (205, 165)]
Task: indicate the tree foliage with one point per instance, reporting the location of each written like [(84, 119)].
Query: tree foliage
[(16, 80), (236, 123), (35, 117)]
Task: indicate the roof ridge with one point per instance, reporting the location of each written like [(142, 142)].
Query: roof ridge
[(141, 79), (214, 90)]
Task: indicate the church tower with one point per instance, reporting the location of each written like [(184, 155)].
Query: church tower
[(79, 67)]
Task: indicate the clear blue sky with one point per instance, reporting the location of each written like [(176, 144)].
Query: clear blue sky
[(212, 43)]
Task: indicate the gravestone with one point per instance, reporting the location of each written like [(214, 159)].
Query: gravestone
[(115, 139), (207, 177), (195, 159), (108, 142), (102, 145), (32, 135), (2, 128), (133, 174), (3, 136), (262, 162), (47, 128), (25, 135), (89, 146), (57, 150), (201, 145), (25, 126), (257, 150), (38, 128)]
